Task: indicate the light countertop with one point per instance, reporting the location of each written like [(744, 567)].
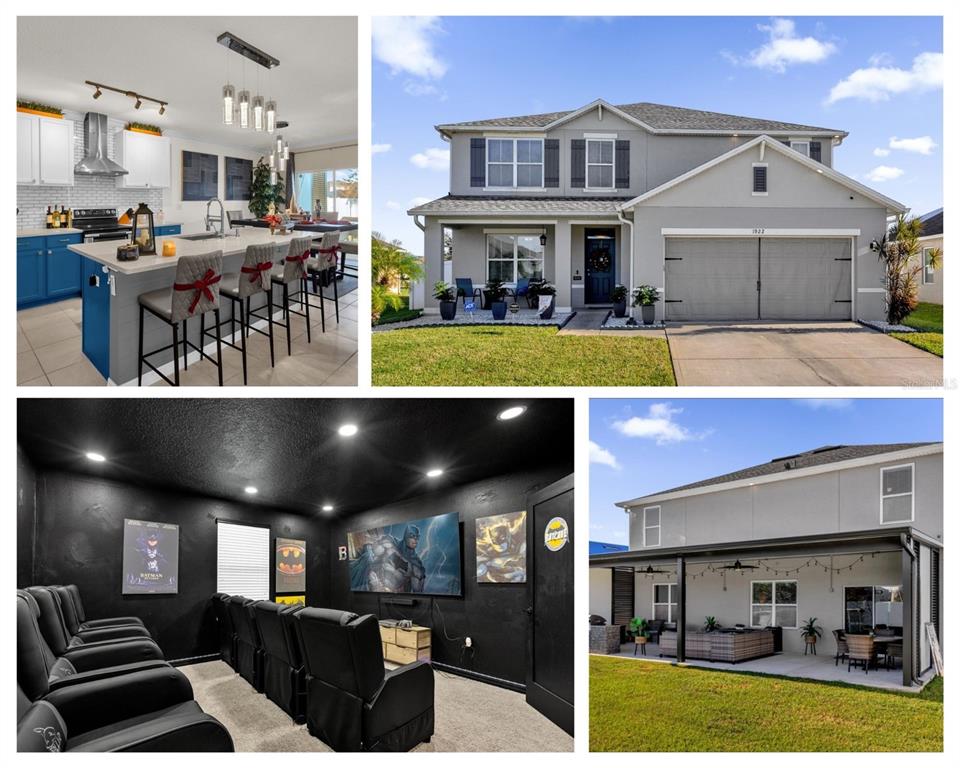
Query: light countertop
[(44, 232), (105, 252)]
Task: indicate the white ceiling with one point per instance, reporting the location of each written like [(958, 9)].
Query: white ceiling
[(178, 59)]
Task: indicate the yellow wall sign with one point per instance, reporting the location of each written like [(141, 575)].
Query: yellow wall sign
[(556, 534), (291, 599)]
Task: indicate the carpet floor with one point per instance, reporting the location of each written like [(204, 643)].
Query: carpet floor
[(470, 716)]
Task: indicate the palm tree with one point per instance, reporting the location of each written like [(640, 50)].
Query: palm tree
[(391, 267)]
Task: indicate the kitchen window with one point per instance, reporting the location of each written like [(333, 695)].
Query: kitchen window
[(896, 494), (651, 526), (929, 273), (665, 601), (600, 163), (773, 604), (512, 256), (515, 163)]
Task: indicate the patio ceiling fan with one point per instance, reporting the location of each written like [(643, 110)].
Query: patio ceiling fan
[(738, 567), (650, 571)]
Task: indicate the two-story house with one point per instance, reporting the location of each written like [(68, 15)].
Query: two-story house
[(729, 217), (851, 535)]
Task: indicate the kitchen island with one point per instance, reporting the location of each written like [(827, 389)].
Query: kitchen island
[(111, 288)]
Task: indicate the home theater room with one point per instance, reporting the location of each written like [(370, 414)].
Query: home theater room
[(295, 575)]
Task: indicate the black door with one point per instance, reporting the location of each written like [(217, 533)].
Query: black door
[(600, 263), (550, 587)]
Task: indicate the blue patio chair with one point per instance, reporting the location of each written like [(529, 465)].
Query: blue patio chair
[(465, 288), (523, 289)]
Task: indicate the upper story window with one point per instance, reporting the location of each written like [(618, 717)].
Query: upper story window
[(759, 178), (651, 526), (515, 163), (929, 273), (896, 494), (600, 154), (803, 147)]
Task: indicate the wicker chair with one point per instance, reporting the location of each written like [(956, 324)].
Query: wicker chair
[(841, 640), (860, 651), (891, 652)]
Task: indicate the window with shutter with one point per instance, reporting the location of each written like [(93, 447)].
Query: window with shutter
[(551, 168), (815, 151), (243, 560), (759, 179), (478, 168), (578, 163), (623, 164)]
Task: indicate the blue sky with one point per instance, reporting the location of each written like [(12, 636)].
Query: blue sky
[(879, 78), (641, 446)]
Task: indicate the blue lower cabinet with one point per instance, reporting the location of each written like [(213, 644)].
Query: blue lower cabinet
[(47, 270), (96, 316), (63, 273), (31, 270)]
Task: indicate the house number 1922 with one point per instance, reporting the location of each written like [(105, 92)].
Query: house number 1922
[(759, 230)]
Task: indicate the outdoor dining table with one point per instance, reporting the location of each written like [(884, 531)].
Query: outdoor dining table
[(881, 640)]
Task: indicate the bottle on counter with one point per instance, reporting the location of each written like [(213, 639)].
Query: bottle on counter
[(49, 218), (69, 218), (56, 218)]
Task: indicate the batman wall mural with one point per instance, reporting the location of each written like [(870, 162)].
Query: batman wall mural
[(151, 557), (291, 565), (502, 548)]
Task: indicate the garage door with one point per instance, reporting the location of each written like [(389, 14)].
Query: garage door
[(739, 278)]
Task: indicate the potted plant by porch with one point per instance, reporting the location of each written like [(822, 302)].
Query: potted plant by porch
[(618, 296), (447, 296), (638, 628), (810, 631), (645, 297), (493, 295), (710, 624), (544, 288)]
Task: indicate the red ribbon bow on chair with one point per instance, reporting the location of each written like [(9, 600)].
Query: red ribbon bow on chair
[(330, 253), (301, 258), (257, 270), (201, 286)]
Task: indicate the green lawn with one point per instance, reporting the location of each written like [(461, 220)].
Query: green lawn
[(638, 706), (488, 355), (928, 319)]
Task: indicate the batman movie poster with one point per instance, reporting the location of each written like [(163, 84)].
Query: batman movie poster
[(291, 565), (151, 558), (419, 556), (502, 548)]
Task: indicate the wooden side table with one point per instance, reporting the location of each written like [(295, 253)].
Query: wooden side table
[(403, 645)]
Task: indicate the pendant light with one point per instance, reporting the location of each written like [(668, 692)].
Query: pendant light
[(271, 116), (273, 161), (258, 109), (244, 106), (228, 97), (286, 151)]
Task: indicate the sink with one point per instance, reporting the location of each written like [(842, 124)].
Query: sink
[(200, 236)]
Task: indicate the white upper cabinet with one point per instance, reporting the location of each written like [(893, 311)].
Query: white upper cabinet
[(146, 158), (44, 150)]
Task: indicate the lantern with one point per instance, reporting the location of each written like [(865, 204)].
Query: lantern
[(143, 233)]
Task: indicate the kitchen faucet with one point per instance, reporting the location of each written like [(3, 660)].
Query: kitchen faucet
[(210, 220)]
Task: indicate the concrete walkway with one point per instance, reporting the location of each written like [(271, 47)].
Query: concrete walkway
[(795, 354)]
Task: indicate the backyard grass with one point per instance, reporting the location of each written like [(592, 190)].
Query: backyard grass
[(638, 706), (478, 356), (928, 320)]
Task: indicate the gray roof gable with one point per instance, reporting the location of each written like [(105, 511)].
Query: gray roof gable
[(659, 117)]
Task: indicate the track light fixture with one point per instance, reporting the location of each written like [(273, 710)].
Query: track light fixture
[(138, 98), (97, 93)]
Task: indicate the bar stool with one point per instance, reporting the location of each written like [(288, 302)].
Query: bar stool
[(192, 294), (292, 273), (239, 288), (322, 271)]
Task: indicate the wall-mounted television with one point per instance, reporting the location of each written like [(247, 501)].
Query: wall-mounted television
[(413, 557)]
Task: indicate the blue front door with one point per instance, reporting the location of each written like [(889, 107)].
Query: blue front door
[(600, 260)]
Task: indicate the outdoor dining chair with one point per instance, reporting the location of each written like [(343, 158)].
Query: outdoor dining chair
[(465, 288), (841, 640), (860, 651)]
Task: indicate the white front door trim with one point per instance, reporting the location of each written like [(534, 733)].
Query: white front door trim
[(756, 232)]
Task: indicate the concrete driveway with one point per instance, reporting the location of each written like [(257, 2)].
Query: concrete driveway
[(797, 354)]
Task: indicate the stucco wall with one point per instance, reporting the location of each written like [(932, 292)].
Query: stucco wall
[(601, 592)]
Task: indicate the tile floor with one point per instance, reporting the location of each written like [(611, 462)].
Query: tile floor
[(49, 352)]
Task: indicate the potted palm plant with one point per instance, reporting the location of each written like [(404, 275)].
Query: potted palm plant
[(810, 631), (618, 296), (544, 288), (645, 297), (710, 624), (493, 295), (447, 296)]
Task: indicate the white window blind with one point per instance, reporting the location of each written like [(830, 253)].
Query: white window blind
[(243, 560)]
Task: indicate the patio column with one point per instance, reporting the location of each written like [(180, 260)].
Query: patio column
[(907, 595), (681, 608), (432, 264), (561, 265)]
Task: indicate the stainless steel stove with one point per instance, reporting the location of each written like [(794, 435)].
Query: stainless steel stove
[(100, 224)]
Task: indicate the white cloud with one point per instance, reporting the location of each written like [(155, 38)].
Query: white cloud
[(658, 425), (922, 145), (406, 44), (879, 83), (884, 173), (826, 403), (432, 159), (881, 60), (379, 149), (881, 152), (415, 201), (784, 48), (600, 455), (414, 88), (393, 205)]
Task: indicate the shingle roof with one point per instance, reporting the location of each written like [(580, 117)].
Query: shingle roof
[(494, 204), (932, 223), (829, 454), (662, 117)]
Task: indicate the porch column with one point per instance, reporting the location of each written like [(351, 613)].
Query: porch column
[(907, 595), (432, 265), (561, 265), (681, 608)]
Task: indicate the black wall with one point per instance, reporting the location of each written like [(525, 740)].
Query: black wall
[(493, 615), (80, 540), (26, 518)]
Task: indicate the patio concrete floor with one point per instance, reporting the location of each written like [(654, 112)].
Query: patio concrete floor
[(797, 665)]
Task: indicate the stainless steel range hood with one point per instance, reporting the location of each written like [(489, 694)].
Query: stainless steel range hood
[(95, 137)]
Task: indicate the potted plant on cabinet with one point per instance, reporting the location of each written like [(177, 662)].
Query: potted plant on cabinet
[(493, 295), (645, 297), (710, 624), (42, 110), (447, 296), (619, 298), (544, 288), (810, 631)]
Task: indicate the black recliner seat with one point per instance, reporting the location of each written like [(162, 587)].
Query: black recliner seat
[(103, 633), (284, 679), (85, 655), (249, 648), (352, 702), (225, 629), (85, 623)]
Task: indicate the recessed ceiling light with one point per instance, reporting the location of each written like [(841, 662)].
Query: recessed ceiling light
[(96, 456), (348, 430), (327, 507), (512, 413), (434, 473), (250, 489)]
